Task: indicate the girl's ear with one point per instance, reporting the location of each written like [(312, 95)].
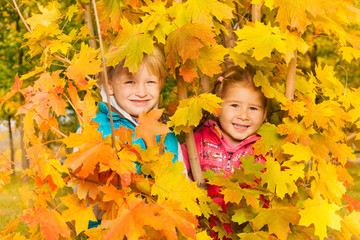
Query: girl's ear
[(215, 115), (265, 115)]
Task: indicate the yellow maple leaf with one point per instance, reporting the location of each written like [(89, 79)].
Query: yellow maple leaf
[(203, 11), (86, 62), (189, 112), (292, 13), (261, 39), (269, 91), (130, 44), (322, 214), (296, 131), (350, 226), (171, 184), (80, 211), (294, 108), (49, 14), (278, 181), (277, 219), (210, 59), (330, 85), (327, 182), (299, 152)]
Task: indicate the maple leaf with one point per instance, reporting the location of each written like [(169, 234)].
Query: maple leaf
[(157, 21), (186, 42), (350, 226), (277, 219), (260, 235), (49, 170), (149, 127), (299, 152), (51, 223), (331, 86), (113, 194), (171, 184), (189, 111), (327, 182), (49, 14), (295, 108), (80, 211), (321, 213), (189, 71), (250, 167), (210, 58), (270, 140), (281, 182), (202, 12), (261, 38), (130, 44), (92, 150), (260, 80), (84, 63), (86, 188), (352, 203), (295, 131), (86, 108), (110, 15)]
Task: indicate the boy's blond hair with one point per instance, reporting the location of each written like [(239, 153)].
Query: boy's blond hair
[(154, 61)]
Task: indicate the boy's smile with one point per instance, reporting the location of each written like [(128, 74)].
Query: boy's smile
[(242, 113), (136, 93)]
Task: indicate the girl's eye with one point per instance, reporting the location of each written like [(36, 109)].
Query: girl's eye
[(253, 108)]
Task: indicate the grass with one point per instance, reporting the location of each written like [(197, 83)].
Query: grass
[(10, 203)]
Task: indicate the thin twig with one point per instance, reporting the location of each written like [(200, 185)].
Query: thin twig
[(105, 75), (54, 208)]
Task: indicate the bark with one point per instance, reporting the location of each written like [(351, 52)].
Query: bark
[(205, 84), (229, 39), (290, 81), (90, 26), (256, 12), (11, 143), (190, 140)]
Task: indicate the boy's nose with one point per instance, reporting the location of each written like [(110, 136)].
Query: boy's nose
[(141, 90)]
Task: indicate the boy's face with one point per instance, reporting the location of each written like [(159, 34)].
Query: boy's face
[(242, 113), (135, 93)]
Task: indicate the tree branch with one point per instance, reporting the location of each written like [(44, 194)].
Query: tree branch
[(107, 89)]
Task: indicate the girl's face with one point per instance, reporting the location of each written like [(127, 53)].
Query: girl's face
[(242, 113), (136, 93)]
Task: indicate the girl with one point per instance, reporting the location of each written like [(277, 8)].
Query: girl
[(221, 144)]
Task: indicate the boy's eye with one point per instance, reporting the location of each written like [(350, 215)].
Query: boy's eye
[(234, 105), (130, 82), (151, 81)]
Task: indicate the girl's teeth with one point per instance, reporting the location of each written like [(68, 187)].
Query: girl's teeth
[(240, 126)]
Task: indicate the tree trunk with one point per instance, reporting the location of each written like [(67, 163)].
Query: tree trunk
[(205, 84), (90, 26), (11, 143), (229, 42), (190, 140), (290, 81), (256, 12)]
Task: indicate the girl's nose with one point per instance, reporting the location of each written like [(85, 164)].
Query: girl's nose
[(141, 90), (243, 114)]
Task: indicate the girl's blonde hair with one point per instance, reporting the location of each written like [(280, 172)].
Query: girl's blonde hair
[(237, 76), (154, 61)]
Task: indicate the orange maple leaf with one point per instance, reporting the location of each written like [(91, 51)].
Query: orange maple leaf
[(51, 223), (149, 127), (92, 150), (186, 42)]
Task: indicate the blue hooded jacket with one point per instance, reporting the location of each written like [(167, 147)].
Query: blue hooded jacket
[(103, 118)]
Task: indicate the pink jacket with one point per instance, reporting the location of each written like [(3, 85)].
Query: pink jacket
[(214, 150)]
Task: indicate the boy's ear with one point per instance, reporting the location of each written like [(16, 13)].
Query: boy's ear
[(111, 92)]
